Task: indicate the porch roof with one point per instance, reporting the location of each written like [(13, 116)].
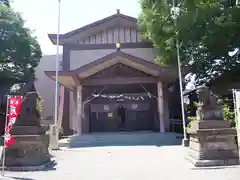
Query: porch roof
[(70, 79)]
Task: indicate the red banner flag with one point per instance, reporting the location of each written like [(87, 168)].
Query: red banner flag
[(14, 104)]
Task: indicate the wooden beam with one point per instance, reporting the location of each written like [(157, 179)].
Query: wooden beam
[(125, 80), (76, 79)]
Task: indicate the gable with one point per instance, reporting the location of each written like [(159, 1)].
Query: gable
[(113, 29), (115, 58), (110, 35), (118, 70)]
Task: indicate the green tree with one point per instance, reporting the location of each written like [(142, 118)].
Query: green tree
[(207, 31), (228, 114), (6, 2), (20, 52)]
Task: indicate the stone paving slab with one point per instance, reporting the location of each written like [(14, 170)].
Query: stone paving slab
[(126, 163)]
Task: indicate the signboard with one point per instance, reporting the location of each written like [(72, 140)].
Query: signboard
[(110, 115), (134, 106), (106, 108)]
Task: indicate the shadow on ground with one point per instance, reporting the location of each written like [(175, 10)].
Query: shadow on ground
[(216, 167), (49, 167), (16, 178), (125, 139)]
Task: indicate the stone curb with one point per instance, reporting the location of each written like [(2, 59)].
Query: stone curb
[(209, 163)]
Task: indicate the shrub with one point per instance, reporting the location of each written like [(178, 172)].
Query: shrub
[(229, 115), (39, 106), (190, 119)]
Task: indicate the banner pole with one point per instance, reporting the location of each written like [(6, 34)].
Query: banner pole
[(234, 105), (236, 111), (4, 147)]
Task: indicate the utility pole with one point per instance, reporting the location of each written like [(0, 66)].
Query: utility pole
[(185, 140), (55, 128)]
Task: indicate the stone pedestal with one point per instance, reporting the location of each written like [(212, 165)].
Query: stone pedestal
[(212, 140), (213, 147), (28, 150)]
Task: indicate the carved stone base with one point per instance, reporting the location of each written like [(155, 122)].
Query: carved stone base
[(209, 124), (28, 150), (213, 147), (29, 130)]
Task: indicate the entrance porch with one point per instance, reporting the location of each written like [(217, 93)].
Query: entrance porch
[(118, 92), (120, 107)]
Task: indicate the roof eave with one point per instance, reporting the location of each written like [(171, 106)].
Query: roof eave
[(53, 38)]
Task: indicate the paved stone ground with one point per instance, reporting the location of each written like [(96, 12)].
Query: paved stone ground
[(126, 163)]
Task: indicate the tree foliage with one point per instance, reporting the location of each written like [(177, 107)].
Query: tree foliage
[(20, 52), (6, 2), (228, 112), (207, 31)]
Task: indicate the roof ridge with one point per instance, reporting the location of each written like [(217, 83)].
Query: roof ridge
[(96, 23)]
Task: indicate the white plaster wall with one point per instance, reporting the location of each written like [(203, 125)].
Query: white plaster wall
[(148, 54), (46, 86), (80, 58)]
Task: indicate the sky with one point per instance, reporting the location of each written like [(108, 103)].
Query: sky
[(41, 15)]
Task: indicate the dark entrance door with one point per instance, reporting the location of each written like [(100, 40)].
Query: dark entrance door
[(121, 117), (121, 112), (103, 118), (139, 117), (102, 122), (139, 121)]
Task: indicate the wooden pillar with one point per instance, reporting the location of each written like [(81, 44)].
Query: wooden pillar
[(79, 110), (166, 108), (73, 110), (160, 106)]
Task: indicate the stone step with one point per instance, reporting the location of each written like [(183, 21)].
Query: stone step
[(124, 139)]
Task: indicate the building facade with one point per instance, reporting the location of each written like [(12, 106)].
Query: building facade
[(111, 80)]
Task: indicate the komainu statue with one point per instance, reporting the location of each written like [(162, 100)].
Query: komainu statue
[(209, 108)]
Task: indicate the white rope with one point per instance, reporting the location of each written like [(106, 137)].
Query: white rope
[(149, 94), (141, 97), (88, 100)]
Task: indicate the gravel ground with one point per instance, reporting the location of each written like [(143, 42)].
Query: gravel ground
[(126, 163)]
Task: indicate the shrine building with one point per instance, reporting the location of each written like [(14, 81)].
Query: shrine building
[(111, 81)]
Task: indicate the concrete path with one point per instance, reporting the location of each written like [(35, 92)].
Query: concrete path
[(144, 156), (126, 163)]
